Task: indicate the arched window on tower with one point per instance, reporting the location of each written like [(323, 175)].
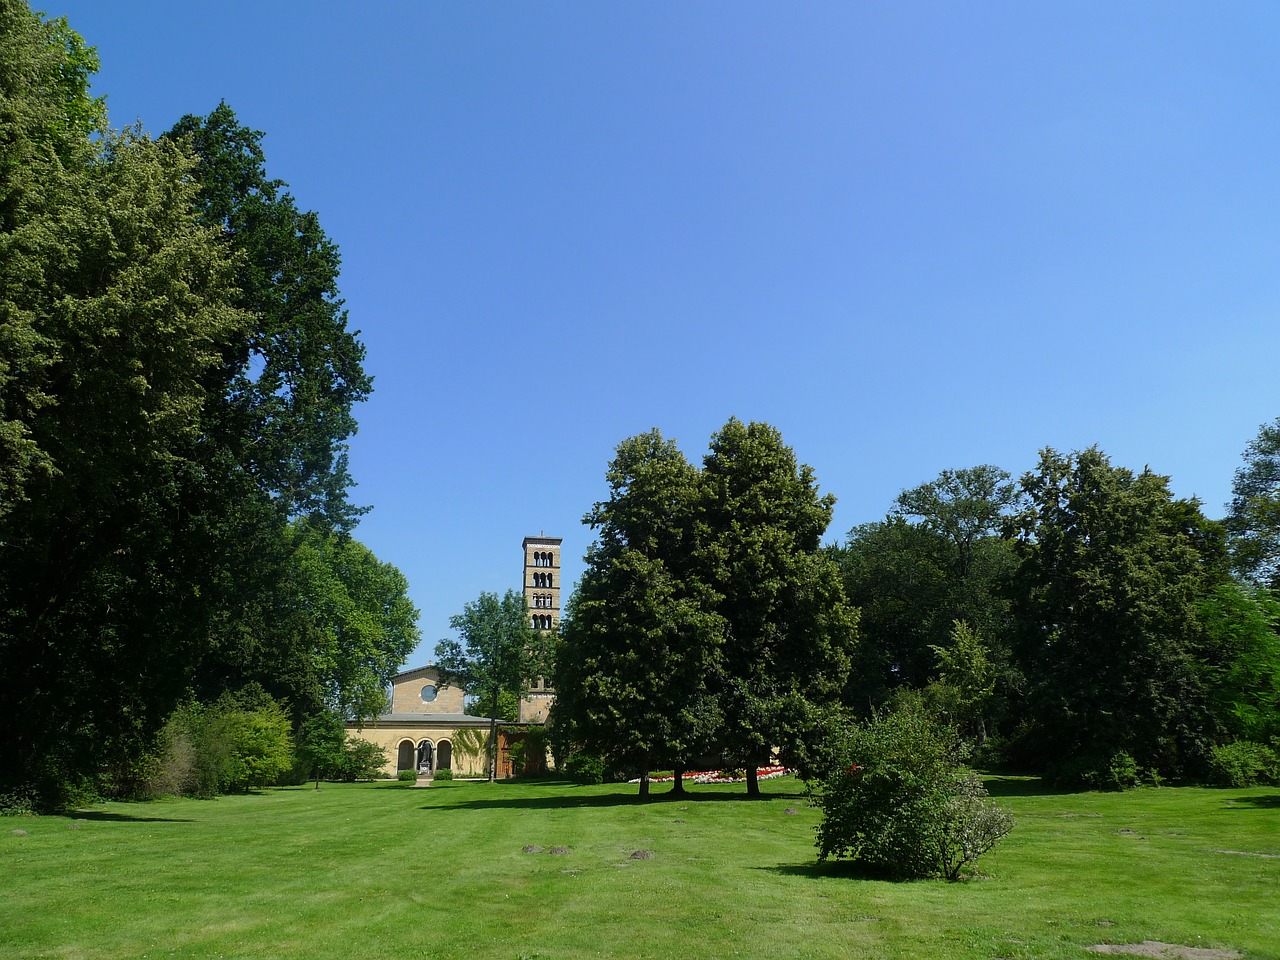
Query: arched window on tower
[(548, 583)]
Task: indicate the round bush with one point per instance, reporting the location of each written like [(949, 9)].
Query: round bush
[(407, 776), (445, 774), (897, 801), (584, 768)]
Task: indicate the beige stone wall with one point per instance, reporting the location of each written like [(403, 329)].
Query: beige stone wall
[(391, 735), (406, 693), (542, 585), (542, 582)]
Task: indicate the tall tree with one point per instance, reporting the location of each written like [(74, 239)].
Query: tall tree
[(277, 424), (639, 657), (963, 506), (286, 390), (1112, 567), (1253, 515), (497, 652), (117, 308), (790, 631), (938, 558)]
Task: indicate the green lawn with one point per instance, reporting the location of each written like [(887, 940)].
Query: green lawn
[(382, 870)]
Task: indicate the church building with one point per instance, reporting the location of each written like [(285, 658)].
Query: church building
[(426, 716)]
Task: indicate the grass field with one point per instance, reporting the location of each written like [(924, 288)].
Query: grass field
[(383, 870)]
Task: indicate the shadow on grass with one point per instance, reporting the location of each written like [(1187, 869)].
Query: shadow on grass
[(1008, 786), (104, 817), (587, 800), (1269, 802), (830, 870)]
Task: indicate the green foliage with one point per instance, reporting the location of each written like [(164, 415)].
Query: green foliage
[(708, 617), (789, 631), (584, 767), (1244, 657), (322, 745), (1111, 570), (939, 557), (407, 776), (499, 651), (176, 382), (362, 760), (242, 741), (471, 745), (968, 676), (257, 737), (1253, 515), (285, 410), (897, 801), (360, 621), (443, 776), (638, 657), (1243, 763)]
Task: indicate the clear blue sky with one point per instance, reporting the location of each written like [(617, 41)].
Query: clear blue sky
[(912, 236)]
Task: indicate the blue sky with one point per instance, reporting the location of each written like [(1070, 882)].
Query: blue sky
[(912, 236)]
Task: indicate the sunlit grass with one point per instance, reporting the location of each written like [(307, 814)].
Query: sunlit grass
[(381, 870)]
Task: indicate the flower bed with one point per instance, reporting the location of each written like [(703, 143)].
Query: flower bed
[(722, 776)]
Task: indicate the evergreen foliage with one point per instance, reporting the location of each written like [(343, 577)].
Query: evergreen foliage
[(1112, 568), (176, 385)]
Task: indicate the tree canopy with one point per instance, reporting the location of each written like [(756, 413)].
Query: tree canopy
[(176, 387), (497, 652), (708, 617)]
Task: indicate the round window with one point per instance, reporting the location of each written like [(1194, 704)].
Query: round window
[(428, 693)]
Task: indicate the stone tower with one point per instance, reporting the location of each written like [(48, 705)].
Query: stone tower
[(542, 595)]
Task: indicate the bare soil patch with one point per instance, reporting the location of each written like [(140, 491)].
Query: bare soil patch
[(1165, 951)]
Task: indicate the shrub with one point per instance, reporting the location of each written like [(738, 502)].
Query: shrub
[(362, 760), (445, 774), (1098, 771), (584, 768), (407, 776), (1243, 763), (899, 803)]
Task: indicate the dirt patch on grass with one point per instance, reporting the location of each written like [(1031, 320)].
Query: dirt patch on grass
[(1165, 951), (558, 850), (641, 855), (531, 848)]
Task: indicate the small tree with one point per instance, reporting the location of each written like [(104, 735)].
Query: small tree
[(499, 653), (897, 801), (362, 760), (968, 677), (321, 745)]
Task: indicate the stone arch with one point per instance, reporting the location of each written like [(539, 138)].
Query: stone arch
[(426, 756), (404, 755), (444, 755)]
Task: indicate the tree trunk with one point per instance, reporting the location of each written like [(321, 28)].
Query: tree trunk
[(753, 782), (644, 786), (493, 749), (677, 785)]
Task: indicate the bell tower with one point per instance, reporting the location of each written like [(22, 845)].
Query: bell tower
[(542, 597)]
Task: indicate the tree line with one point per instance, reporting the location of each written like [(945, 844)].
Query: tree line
[(177, 381), (1081, 621)]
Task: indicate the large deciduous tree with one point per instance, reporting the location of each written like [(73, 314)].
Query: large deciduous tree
[(497, 652), (938, 558), (789, 630), (117, 307), (176, 385), (638, 664), (286, 390), (1112, 567)]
